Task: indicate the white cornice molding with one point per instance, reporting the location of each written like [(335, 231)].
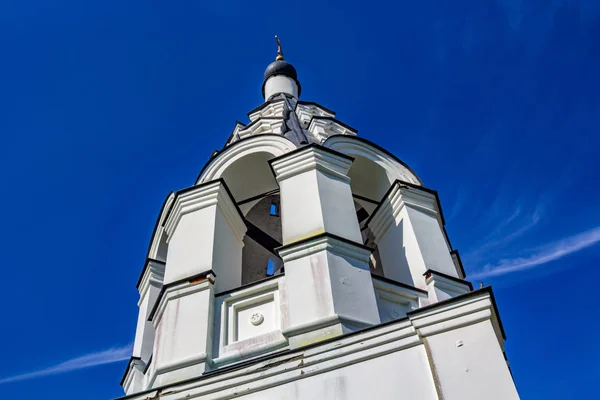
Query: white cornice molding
[(456, 313), (274, 109), (263, 125), (235, 134), (354, 146), (395, 200), (287, 368), (203, 196), (154, 274), (323, 127), (309, 159), (324, 242), (446, 284), (306, 112), (274, 145), (179, 290)]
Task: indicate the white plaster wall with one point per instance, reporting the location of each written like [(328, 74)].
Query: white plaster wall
[(227, 255), (301, 214), (474, 370), (337, 206), (400, 254), (280, 84), (399, 375), (432, 242), (184, 334), (350, 280), (312, 299), (144, 335), (191, 245)]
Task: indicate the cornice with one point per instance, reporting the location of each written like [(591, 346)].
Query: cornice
[(463, 310), (192, 284), (309, 158), (154, 274), (361, 143), (306, 111), (273, 108), (202, 196), (263, 125), (431, 275), (324, 241), (398, 196), (325, 127)]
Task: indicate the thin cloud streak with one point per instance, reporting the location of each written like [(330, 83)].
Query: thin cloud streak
[(109, 356), (546, 254)]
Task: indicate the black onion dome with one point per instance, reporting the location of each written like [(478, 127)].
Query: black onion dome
[(281, 67)]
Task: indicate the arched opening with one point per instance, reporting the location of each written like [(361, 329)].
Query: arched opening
[(259, 259), (375, 265)]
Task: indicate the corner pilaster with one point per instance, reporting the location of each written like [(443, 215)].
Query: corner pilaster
[(329, 289), (315, 194), (205, 232), (183, 320), (409, 232)]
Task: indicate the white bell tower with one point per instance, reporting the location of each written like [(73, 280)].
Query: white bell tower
[(308, 263)]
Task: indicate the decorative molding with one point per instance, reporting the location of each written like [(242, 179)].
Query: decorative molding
[(263, 125), (203, 196), (306, 112), (397, 197), (324, 242), (357, 146), (309, 158), (207, 276), (154, 274), (275, 145), (274, 108), (231, 349), (452, 283), (321, 128)]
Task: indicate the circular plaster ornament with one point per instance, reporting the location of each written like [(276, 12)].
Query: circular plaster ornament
[(257, 318)]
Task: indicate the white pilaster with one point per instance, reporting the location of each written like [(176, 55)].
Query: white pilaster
[(464, 342), (205, 232), (329, 289), (409, 233), (315, 194), (149, 287), (183, 319)]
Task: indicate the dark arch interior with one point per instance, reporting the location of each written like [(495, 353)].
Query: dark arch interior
[(263, 235)]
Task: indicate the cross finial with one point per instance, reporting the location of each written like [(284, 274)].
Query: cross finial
[(279, 51)]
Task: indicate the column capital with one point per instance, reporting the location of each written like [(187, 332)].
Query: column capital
[(309, 158), (202, 196), (399, 195)]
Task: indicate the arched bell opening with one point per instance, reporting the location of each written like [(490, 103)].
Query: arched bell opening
[(249, 177), (375, 264), (263, 236)]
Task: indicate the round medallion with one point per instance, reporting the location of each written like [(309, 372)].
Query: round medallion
[(256, 318)]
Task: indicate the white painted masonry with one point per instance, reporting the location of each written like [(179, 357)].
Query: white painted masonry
[(362, 295)]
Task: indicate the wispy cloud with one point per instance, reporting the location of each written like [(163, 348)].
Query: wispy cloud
[(499, 238), (541, 255), (86, 361)]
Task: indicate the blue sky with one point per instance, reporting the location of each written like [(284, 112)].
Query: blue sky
[(107, 106)]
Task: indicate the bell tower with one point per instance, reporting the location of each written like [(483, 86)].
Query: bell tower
[(303, 262)]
